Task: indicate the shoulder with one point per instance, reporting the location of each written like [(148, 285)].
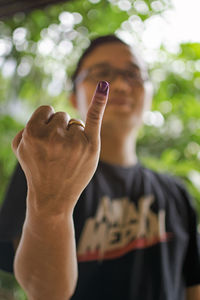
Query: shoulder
[(173, 192), (173, 185), (163, 177)]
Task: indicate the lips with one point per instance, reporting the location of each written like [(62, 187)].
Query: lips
[(119, 101)]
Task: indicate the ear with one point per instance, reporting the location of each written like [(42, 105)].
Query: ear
[(72, 99)]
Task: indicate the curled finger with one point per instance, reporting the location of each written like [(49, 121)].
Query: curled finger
[(16, 141), (42, 114), (76, 122), (59, 119)]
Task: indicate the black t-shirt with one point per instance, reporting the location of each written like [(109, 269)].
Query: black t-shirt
[(136, 234)]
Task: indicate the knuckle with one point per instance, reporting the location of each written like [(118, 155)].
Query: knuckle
[(30, 128), (33, 130), (59, 118), (73, 138), (43, 109), (93, 114), (46, 107), (99, 99), (61, 114)]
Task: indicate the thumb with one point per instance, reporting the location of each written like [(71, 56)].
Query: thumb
[(96, 111)]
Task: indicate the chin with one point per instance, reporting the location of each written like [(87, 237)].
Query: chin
[(118, 109), (126, 117)]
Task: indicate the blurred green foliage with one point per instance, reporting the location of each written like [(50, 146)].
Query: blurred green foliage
[(174, 147), (9, 288), (38, 53)]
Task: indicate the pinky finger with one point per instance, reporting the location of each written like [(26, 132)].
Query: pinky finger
[(16, 141)]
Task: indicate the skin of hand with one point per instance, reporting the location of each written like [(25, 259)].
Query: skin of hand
[(58, 160)]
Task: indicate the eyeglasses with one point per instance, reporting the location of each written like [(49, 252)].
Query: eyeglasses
[(96, 73)]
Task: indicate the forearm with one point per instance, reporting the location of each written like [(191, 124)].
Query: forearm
[(45, 263)]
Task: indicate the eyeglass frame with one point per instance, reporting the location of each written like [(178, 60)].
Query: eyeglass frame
[(84, 74)]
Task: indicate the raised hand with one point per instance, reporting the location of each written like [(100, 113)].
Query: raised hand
[(59, 156)]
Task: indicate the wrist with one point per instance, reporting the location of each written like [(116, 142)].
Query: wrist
[(49, 206), (44, 225)]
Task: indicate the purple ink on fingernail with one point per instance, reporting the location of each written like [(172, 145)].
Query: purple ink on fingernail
[(103, 87)]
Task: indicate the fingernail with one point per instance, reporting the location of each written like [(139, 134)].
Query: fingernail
[(103, 87)]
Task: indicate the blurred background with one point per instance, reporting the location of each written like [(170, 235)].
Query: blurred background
[(40, 44)]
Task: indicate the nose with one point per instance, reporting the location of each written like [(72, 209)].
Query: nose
[(120, 84)]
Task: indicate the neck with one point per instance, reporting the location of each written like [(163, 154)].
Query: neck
[(118, 149)]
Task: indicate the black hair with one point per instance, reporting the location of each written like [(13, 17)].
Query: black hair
[(111, 38)]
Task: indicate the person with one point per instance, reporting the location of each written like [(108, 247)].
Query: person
[(96, 223)]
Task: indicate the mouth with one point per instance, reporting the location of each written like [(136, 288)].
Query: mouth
[(119, 102)]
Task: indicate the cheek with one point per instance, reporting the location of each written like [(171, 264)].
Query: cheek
[(139, 99)]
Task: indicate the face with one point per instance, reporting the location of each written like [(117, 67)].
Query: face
[(130, 93)]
